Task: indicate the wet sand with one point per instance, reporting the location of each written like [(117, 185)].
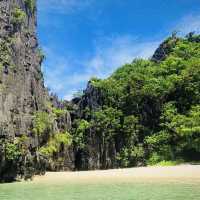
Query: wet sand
[(181, 173)]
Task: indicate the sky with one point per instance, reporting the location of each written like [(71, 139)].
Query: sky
[(92, 38)]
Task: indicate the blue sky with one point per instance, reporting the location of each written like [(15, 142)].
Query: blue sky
[(87, 38)]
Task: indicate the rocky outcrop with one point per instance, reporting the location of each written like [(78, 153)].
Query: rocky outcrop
[(96, 154), (164, 49), (22, 91), (91, 99)]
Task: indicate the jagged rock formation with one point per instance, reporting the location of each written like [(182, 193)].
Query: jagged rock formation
[(95, 155), (164, 49), (22, 91)]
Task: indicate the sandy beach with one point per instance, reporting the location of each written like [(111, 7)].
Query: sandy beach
[(180, 173)]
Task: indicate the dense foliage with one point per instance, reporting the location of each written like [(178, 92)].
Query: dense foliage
[(55, 143), (18, 17), (42, 123), (150, 107)]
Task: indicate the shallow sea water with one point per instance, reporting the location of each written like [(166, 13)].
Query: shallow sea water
[(100, 191)]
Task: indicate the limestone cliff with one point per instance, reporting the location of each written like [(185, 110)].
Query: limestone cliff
[(22, 91), (95, 154), (22, 88)]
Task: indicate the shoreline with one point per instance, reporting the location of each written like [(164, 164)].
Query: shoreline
[(182, 173)]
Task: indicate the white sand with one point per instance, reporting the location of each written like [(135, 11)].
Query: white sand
[(181, 173)]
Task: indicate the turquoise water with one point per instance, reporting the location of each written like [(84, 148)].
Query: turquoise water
[(120, 191)]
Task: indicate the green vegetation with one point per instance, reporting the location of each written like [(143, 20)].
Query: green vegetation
[(151, 109), (55, 143), (58, 112), (18, 17), (42, 123), (131, 156), (106, 122), (22, 143), (30, 4), (6, 52), (55, 111), (16, 149), (80, 133), (54, 140), (12, 151), (168, 163), (16, 159)]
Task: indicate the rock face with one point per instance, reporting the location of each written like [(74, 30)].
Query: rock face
[(22, 91), (96, 154), (91, 99), (164, 49)]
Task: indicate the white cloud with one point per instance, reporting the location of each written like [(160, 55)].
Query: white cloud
[(69, 95), (116, 51), (189, 23), (110, 53)]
